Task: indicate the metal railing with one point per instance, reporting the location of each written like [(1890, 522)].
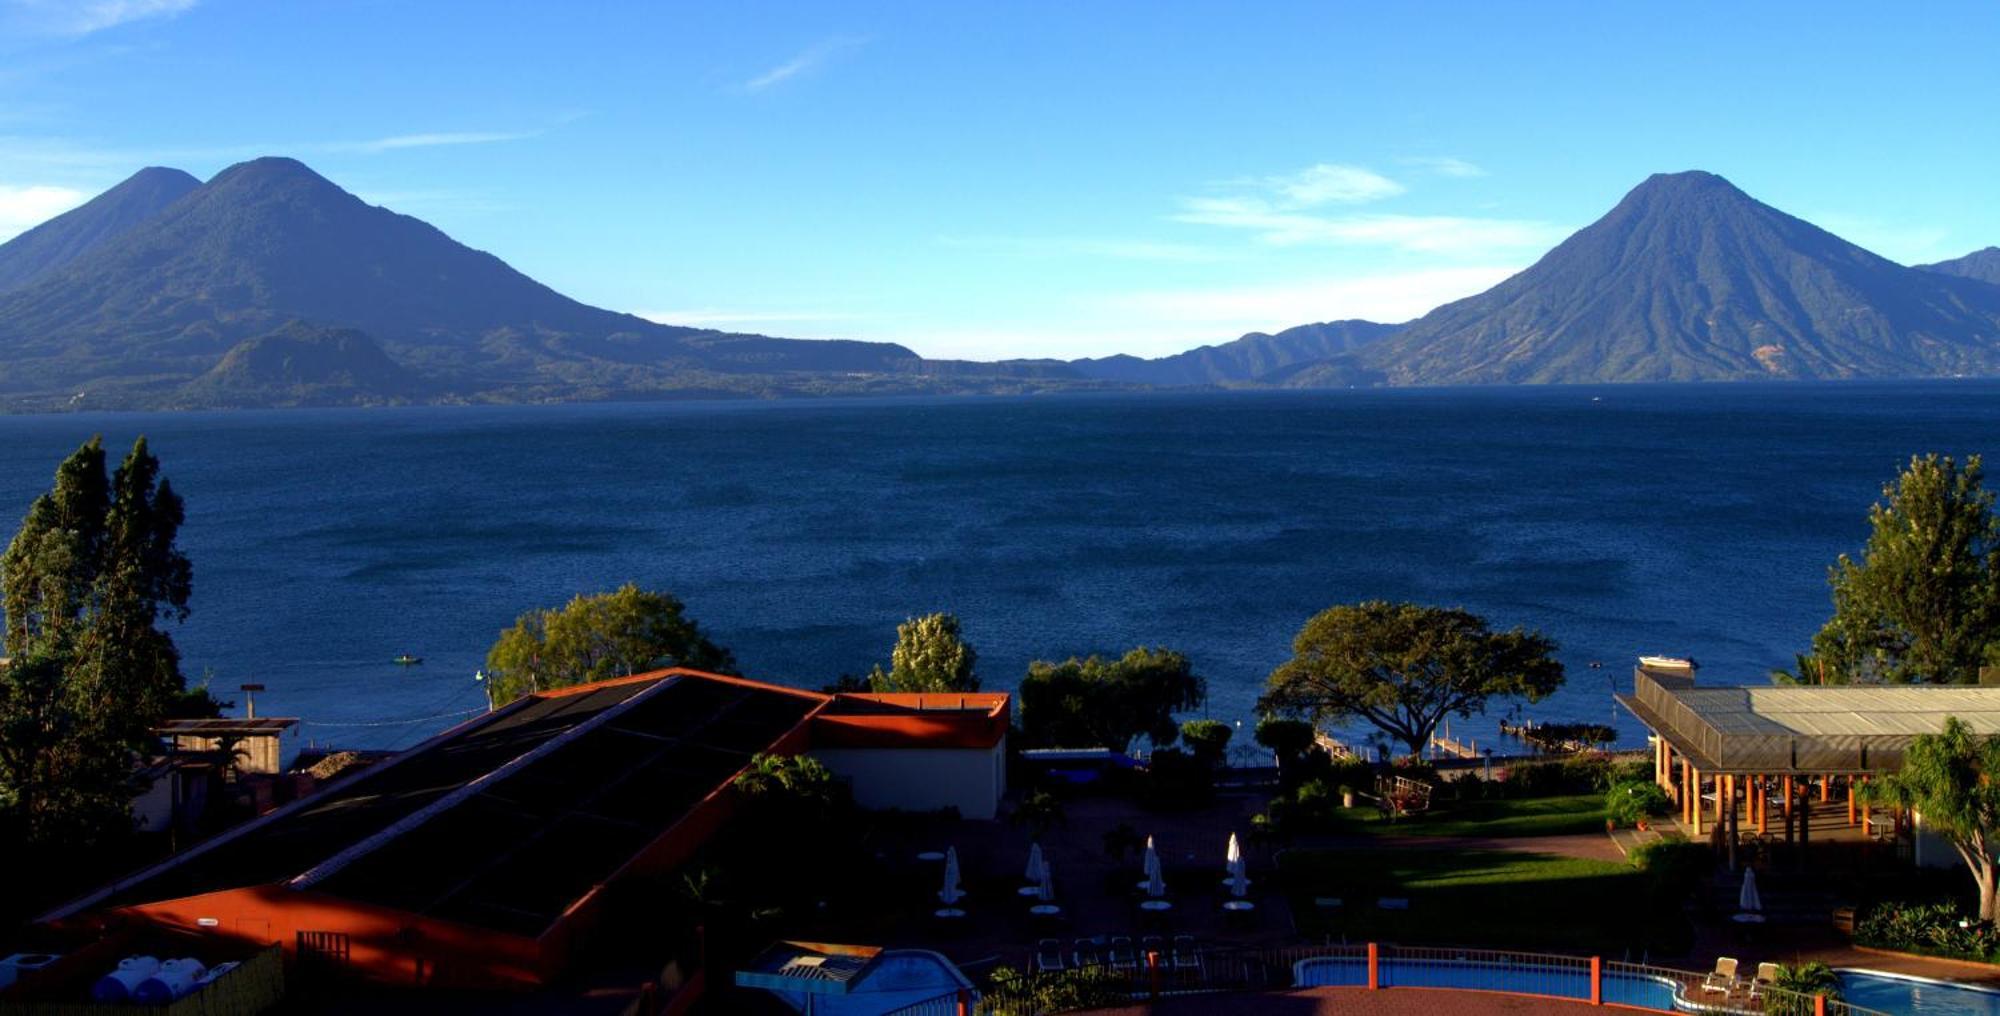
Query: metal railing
[(1584, 979)]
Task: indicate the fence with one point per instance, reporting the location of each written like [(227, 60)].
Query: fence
[(1224, 969)]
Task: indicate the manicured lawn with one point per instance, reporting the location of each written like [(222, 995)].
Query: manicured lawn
[(1532, 816), (1492, 898)]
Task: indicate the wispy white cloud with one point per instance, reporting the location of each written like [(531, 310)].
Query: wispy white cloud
[(1391, 296), (1163, 322), (23, 208), (1327, 184), (813, 57), (432, 139), (1444, 165), (82, 17), (1086, 247), (1430, 234)]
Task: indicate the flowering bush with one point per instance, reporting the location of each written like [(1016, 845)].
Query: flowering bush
[(1627, 803), (1937, 929)]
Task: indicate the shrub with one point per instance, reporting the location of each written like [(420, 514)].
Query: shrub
[(1176, 779), (1673, 865), (1627, 803), (1207, 740), (1586, 772), (1287, 739), (1939, 929), (1797, 986), (1631, 771), (1014, 993)]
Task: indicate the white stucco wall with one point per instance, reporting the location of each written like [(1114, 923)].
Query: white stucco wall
[(923, 779)]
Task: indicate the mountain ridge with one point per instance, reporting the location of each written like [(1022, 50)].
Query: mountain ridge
[(51, 245), (1688, 278), (1983, 265)]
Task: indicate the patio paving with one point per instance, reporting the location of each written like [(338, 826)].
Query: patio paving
[(1350, 1002)]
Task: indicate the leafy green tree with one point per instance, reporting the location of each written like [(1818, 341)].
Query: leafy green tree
[(1207, 740), (1403, 668), (1952, 779), (626, 631), (931, 654), (86, 583), (1100, 703), (1923, 601)]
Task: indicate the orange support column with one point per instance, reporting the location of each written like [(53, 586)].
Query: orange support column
[(1694, 800), (1825, 789), (1374, 968), (1763, 804), (1687, 777), (1850, 800), (1597, 980), (1788, 806)]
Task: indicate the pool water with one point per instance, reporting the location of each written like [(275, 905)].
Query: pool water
[(1908, 996)]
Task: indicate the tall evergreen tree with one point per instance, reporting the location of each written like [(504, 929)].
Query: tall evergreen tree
[(86, 584), (1922, 603)]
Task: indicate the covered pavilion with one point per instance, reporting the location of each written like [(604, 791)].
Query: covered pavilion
[(1752, 746)]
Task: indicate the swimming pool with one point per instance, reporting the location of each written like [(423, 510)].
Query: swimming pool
[(1915, 996)]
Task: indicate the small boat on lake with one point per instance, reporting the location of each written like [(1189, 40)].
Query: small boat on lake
[(406, 660)]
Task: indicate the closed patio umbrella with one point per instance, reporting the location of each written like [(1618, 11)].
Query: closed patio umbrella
[(1033, 876), (1239, 879), (1047, 890), (1748, 901), (951, 893), (1151, 863)]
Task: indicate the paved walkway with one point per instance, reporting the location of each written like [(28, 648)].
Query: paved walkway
[(1352, 1002)]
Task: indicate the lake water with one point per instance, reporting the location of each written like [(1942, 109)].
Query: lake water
[(1622, 520)]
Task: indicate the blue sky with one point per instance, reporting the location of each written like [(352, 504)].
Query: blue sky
[(1022, 179)]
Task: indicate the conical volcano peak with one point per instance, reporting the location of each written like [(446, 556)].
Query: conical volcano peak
[(1665, 189), (272, 173)]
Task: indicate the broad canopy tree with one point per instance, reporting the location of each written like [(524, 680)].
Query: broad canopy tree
[(1403, 668), (86, 584), (1952, 780), (627, 631), (1100, 703), (931, 655), (1922, 603)]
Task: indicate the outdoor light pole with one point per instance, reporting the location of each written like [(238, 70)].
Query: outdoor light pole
[(486, 686), (250, 700)]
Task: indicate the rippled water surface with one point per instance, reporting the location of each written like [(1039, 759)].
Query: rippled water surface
[(1622, 520)]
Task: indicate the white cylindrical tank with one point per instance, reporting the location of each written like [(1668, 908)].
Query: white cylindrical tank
[(117, 985), (174, 979)]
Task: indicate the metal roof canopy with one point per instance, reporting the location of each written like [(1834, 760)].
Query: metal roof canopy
[(815, 968), (1775, 729)]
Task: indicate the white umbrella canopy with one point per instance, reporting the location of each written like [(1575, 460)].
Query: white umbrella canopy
[(1036, 866), (1152, 862), (1156, 886), (951, 893), (1748, 900), (1233, 858)]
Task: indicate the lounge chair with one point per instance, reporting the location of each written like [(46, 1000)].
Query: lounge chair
[(1048, 955), (1723, 977), (1086, 952), (1186, 956), (1123, 956), (1767, 976), (1154, 944)]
